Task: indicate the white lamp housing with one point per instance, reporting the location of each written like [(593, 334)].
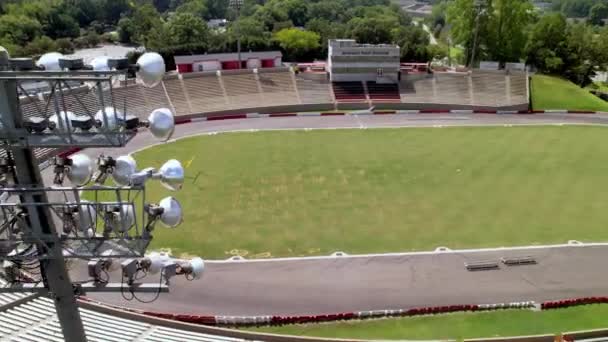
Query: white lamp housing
[(50, 61), (112, 115), (151, 69), (122, 221), (197, 266), (125, 167), (63, 121), (156, 262), (86, 217), (100, 63), (172, 212), (81, 169), (171, 175), (162, 123)]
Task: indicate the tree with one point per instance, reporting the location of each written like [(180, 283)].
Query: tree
[(144, 18), (374, 30), (507, 29), (64, 46), (39, 46), (112, 10), (414, 43), (61, 25), (465, 19), (126, 30), (297, 43), (597, 13), (217, 9), (187, 32), (253, 34), (546, 43), (196, 7), (326, 30), (19, 29), (332, 11)]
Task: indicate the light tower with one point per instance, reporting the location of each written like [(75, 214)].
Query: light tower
[(100, 223), (237, 5)]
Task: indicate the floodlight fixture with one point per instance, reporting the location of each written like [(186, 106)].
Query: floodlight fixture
[(150, 69), (109, 118), (6, 171), (80, 217), (99, 267), (192, 269), (50, 61), (100, 63), (119, 218), (171, 175), (21, 64), (161, 123), (78, 168), (168, 211)]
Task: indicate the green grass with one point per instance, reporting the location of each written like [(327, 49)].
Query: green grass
[(458, 325), (550, 92), (385, 190)]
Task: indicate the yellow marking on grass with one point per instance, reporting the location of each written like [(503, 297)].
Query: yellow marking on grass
[(189, 162)]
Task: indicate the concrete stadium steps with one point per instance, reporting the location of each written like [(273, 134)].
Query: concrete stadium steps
[(278, 87), (313, 88), (34, 319), (176, 92), (243, 90), (489, 88), (383, 92), (349, 91), (417, 90), (205, 93), (519, 89), (452, 88)]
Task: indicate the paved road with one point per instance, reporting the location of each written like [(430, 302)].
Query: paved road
[(317, 286)]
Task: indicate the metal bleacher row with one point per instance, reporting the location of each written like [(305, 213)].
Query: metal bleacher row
[(27, 317)]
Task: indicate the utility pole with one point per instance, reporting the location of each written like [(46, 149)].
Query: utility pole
[(54, 273)]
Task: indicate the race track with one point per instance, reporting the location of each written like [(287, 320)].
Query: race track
[(392, 281)]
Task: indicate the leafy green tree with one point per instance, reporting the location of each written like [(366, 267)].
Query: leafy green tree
[(297, 43), (39, 46), (19, 29), (144, 18), (597, 13), (64, 46), (217, 9), (374, 30), (507, 26), (414, 42), (126, 30), (196, 7), (112, 10), (546, 44), (187, 32), (332, 11), (60, 25), (253, 34), (326, 30)]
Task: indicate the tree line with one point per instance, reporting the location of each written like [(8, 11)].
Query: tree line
[(512, 31), (300, 28)]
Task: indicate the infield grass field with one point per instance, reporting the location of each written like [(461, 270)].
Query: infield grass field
[(458, 325), (298, 193), (550, 92)]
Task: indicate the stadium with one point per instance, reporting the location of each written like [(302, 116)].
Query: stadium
[(330, 196)]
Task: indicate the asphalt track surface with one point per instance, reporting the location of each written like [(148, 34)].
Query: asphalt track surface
[(392, 281)]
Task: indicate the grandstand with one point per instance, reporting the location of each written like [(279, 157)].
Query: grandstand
[(239, 91)]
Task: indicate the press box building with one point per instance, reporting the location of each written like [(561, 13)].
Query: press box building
[(348, 61)]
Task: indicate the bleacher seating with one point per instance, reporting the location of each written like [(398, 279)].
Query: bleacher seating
[(34, 319), (313, 88), (177, 94), (278, 87), (205, 93), (452, 88), (243, 89), (417, 90), (383, 92), (349, 91)]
